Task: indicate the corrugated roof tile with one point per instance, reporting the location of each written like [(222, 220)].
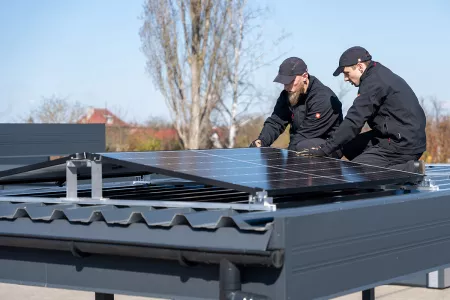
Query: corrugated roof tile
[(211, 218), (167, 217), (86, 214), (16, 210), (126, 215), (112, 215), (48, 212)]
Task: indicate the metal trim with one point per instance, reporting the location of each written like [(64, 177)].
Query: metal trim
[(149, 203), (183, 236), (271, 259)]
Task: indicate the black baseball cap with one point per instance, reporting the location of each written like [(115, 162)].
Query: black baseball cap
[(351, 57), (289, 68)]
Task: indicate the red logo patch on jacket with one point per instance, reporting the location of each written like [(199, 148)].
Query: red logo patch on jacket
[(317, 115)]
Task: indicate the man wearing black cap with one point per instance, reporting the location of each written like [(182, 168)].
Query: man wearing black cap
[(312, 109), (391, 109)]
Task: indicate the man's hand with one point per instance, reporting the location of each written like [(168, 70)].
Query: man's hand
[(255, 143), (314, 151)]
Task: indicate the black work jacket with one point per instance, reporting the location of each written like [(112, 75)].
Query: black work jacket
[(390, 107), (316, 115)]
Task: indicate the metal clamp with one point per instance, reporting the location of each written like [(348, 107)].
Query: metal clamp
[(261, 198), (428, 185), (143, 180)]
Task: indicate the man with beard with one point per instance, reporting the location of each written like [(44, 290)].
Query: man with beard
[(310, 107), (391, 109)]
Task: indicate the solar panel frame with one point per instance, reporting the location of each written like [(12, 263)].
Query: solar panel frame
[(167, 172), (55, 170), (30, 168), (286, 185), (250, 170)]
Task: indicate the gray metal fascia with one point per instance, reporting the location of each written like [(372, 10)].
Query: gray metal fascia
[(179, 237), (342, 247)]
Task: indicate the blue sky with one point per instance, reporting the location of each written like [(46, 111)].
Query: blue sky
[(90, 50)]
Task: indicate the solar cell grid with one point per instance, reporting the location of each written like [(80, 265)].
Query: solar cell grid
[(277, 171)]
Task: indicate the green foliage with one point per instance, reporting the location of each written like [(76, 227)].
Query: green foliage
[(148, 144)]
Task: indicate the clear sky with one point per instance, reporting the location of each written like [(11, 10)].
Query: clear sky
[(89, 50)]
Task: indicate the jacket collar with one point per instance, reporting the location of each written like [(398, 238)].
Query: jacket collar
[(312, 79), (369, 70)]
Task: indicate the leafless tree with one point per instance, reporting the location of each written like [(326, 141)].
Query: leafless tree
[(437, 130), (344, 89), (195, 51), (56, 109), (434, 108), (157, 122), (184, 45), (437, 107), (245, 56)]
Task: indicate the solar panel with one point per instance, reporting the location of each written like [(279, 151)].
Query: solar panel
[(55, 171), (277, 171)]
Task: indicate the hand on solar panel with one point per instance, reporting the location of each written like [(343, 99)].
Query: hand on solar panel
[(255, 143), (314, 151)]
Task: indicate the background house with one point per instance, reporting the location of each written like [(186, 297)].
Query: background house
[(124, 136)]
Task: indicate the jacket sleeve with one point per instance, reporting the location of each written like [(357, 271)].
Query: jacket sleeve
[(320, 116), (276, 123), (369, 99)]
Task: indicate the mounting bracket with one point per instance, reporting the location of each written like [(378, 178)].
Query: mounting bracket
[(72, 177), (428, 185), (261, 198), (144, 179)]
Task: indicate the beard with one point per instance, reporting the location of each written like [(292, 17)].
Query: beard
[(294, 96)]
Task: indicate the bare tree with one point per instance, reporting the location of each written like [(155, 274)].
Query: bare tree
[(184, 45), (344, 89), (437, 130), (434, 108), (437, 107), (236, 37), (56, 109), (245, 56), (194, 51), (423, 104)]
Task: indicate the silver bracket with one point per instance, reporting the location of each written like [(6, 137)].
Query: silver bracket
[(72, 177), (143, 180), (261, 198), (428, 185)]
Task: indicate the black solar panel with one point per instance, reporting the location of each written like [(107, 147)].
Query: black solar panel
[(55, 171), (277, 171)]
